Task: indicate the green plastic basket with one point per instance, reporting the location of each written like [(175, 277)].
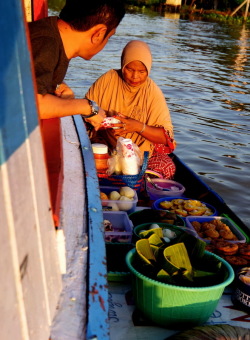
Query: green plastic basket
[(172, 306)]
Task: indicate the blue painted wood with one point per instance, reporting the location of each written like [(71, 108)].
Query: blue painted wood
[(18, 113), (97, 327)]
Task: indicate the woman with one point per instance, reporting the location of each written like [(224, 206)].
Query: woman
[(130, 95)]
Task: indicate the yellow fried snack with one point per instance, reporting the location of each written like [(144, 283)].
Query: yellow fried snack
[(186, 207), (194, 203), (166, 204), (199, 211), (177, 201), (181, 212)]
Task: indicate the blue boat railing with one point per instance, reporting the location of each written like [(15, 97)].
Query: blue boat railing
[(97, 297)]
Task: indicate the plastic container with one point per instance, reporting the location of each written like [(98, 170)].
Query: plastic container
[(117, 205), (123, 227), (175, 188), (101, 156), (241, 294), (229, 223), (172, 306), (156, 204)]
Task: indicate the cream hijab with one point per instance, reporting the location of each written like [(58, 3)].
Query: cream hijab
[(145, 103), (136, 50)]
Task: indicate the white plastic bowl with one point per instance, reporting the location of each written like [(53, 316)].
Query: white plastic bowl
[(175, 189)]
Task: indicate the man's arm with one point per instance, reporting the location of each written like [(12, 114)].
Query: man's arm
[(50, 106)]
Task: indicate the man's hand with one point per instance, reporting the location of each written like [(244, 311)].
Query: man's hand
[(96, 120), (64, 91)]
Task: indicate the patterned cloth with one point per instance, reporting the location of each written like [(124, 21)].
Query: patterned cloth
[(163, 164)]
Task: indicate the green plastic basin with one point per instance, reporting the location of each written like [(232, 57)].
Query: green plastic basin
[(172, 306)]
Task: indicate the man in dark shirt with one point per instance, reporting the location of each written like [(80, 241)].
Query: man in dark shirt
[(82, 30)]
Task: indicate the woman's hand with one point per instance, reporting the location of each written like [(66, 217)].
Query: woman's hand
[(154, 134), (127, 125)]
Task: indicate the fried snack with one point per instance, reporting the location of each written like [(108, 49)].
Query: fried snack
[(244, 250), (227, 235), (194, 203), (236, 260), (198, 211), (226, 248), (196, 225), (211, 233), (166, 205), (103, 196), (211, 248), (207, 226), (217, 229), (181, 212), (208, 212), (186, 207), (178, 201)]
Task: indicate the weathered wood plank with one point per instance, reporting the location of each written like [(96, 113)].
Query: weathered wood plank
[(70, 321), (29, 261)]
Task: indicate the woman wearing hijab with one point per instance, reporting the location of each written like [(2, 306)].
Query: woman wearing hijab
[(130, 95)]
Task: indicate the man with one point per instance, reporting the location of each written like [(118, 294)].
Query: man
[(82, 29)]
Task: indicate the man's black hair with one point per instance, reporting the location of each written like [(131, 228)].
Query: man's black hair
[(81, 15)]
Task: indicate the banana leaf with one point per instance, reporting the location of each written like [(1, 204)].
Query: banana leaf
[(204, 278), (145, 252), (195, 247), (155, 250), (155, 240), (148, 233), (164, 277), (176, 258)]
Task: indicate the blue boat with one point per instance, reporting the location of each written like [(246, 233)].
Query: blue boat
[(53, 257)]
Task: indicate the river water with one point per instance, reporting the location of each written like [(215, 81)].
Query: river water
[(203, 69)]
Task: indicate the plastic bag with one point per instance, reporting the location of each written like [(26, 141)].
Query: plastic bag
[(126, 159)]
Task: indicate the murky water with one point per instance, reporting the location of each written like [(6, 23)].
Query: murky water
[(203, 69)]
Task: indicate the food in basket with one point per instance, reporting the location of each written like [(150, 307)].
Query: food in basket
[(127, 192), (125, 205), (244, 276), (226, 248), (107, 225), (236, 260), (244, 250), (123, 199), (233, 253), (114, 195), (186, 207), (214, 229), (103, 196), (163, 233), (176, 262)]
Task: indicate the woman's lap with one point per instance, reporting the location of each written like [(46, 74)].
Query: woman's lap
[(162, 164)]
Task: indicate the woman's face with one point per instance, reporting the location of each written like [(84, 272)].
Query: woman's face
[(135, 73)]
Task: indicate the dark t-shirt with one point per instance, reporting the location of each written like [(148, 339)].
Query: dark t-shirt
[(50, 60)]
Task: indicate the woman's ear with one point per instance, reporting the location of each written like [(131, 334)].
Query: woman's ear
[(98, 34)]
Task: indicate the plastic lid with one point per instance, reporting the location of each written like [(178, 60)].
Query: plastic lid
[(99, 148)]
